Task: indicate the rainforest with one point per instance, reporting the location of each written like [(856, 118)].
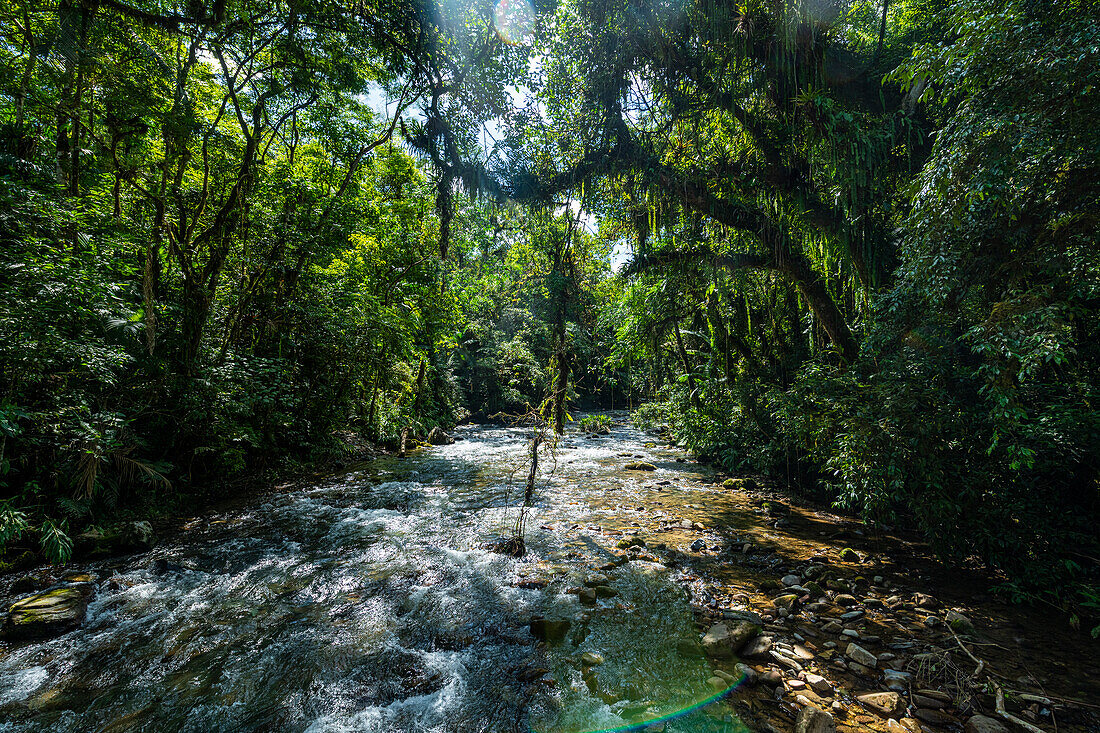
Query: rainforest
[(549, 365)]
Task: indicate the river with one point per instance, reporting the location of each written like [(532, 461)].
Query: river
[(366, 603)]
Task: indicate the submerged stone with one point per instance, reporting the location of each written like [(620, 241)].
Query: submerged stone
[(549, 630)]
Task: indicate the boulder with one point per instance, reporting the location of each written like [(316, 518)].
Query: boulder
[(716, 642), (438, 437), (47, 613), (812, 720), (640, 466)]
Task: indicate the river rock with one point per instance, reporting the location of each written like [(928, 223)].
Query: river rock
[(923, 600), (549, 630), (817, 683), (698, 546), (640, 466), (812, 720), (883, 703), (984, 724), (438, 437), (788, 601), (933, 717), (896, 680), (724, 640), (959, 623), (591, 659), (860, 655), (757, 647), (745, 673), (47, 614)]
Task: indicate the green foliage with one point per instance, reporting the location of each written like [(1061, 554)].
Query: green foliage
[(55, 542), (595, 424)]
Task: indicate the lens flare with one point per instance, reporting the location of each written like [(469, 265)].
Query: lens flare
[(641, 726), (514, 20)]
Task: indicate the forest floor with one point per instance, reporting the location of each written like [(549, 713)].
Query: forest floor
[(886, 595)]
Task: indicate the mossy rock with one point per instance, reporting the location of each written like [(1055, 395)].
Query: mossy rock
[(849, 555), (640, 466), (815, 590), (788, 601), (48, 613), (18, 561), (630, 542)]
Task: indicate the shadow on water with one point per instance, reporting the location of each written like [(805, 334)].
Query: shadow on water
[(364, 603)]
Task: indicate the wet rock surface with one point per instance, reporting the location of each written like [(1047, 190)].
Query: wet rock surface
[(51, 612)]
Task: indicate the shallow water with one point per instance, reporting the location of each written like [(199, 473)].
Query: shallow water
[(366, 604)]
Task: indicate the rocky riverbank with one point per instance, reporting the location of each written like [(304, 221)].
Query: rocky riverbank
[(812, 623)]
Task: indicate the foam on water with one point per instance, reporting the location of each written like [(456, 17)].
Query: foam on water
[(365, 603)]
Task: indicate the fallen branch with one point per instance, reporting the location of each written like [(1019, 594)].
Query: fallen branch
[(1000, 707)]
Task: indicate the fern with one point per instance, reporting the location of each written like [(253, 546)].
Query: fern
[(55, 541), (13, 523)]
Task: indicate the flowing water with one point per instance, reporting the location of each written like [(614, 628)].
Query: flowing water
[(365, 603)]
